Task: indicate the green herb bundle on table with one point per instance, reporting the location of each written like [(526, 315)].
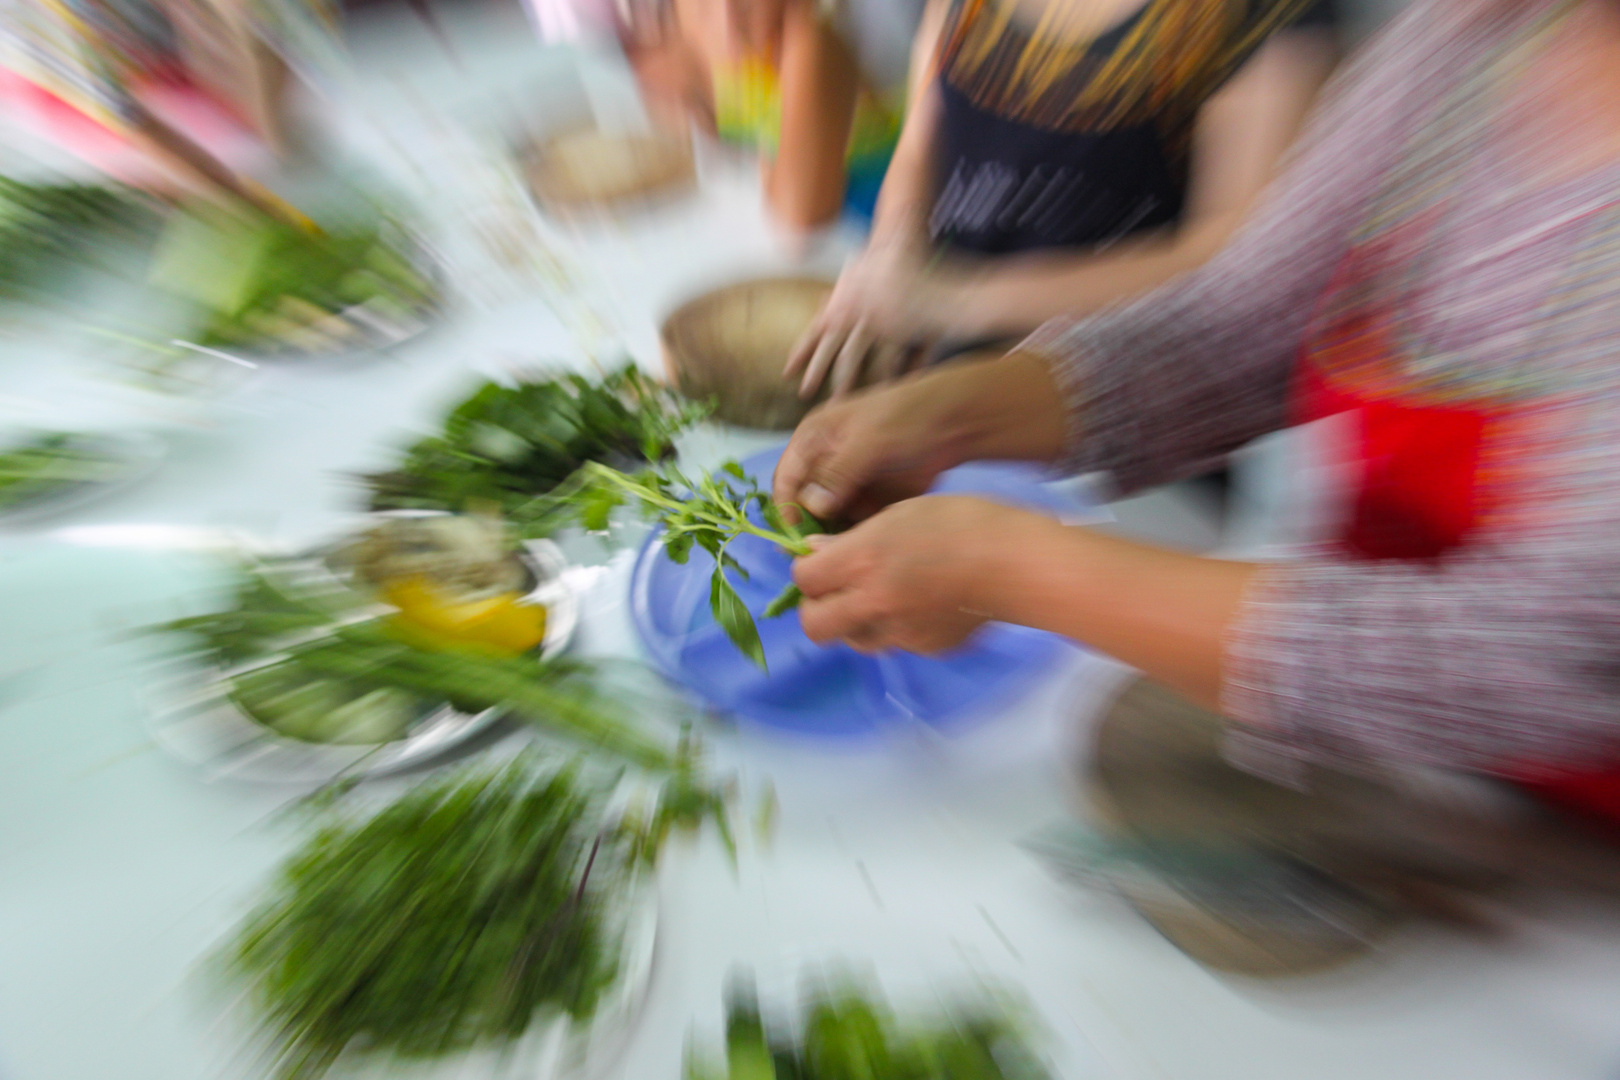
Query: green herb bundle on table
[(301, 662), (459, 916), (509, 446), (847, 1033), (46, 227), (268, 285), (49, 463)]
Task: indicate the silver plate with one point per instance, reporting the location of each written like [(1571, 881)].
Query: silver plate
[(135, 454), (192, 717)]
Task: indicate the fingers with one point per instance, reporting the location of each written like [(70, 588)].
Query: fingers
[(825, 570), (836, 476), (839, 617), (828, 346), (889, 361), (804, 449), (805, 347), (847, 368)]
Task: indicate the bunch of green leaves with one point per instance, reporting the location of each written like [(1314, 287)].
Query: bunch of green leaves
[(46, 227), (312, 634), (709, 512), (264, 282), (847, 1033), (509, 446), (49, 462), (451, 919)]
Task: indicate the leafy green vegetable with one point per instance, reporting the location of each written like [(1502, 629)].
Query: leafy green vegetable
[(709, 511), (47, 227), (50, 462), (510, 446), (846, 1033), (266, 283), (453, 918), (293, 636)]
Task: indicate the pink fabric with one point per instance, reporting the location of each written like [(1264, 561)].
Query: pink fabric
[(187, 109)]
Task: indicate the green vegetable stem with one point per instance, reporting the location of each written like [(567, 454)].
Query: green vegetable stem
[(710, 512)]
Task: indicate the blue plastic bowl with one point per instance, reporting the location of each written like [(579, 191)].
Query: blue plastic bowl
[(834, 690)]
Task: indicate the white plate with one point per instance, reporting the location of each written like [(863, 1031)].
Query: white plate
[(136, 453), (190, 715)]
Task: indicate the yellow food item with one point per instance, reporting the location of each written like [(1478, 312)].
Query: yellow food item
[(502, 623)]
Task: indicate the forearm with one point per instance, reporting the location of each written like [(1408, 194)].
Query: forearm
[(1003, 297), (1163, 612), (804, 183), (908, 191), (1002, 409)]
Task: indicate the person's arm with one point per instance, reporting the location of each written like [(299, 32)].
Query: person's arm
[(909, 184), (1152, 390), (899, 235), (674, 81), (1494, 658), (804, 182), (1158, 387), (899, 294), (1241, 135)]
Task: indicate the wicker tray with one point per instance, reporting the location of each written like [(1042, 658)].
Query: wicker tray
[(730, 346), (605, 169)]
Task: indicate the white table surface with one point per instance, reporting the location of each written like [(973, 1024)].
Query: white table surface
[(120, 868)]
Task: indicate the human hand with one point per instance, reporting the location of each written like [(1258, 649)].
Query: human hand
[(852, 457), (919, 576), (876, 322)]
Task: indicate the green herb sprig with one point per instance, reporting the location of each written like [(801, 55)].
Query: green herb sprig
[(708, 511)]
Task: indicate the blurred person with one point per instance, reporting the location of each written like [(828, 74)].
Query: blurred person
[(1437, 269), (1061, 155), (120, 65), (816, 88)]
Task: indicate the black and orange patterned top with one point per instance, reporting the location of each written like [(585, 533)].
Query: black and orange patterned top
[(1047, 142)]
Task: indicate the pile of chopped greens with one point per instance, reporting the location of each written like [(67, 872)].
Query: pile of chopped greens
[(454, 918), (508, 446), (46, 227), (51, 462), (316, 665), (710, 512), (268, 285), (847, 1033)]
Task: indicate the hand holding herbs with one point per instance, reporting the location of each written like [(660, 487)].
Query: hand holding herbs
[(459, 916), (509, 446), (846, 1033), (710, 512)]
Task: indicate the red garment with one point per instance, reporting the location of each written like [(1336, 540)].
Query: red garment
[(1419, 495)]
